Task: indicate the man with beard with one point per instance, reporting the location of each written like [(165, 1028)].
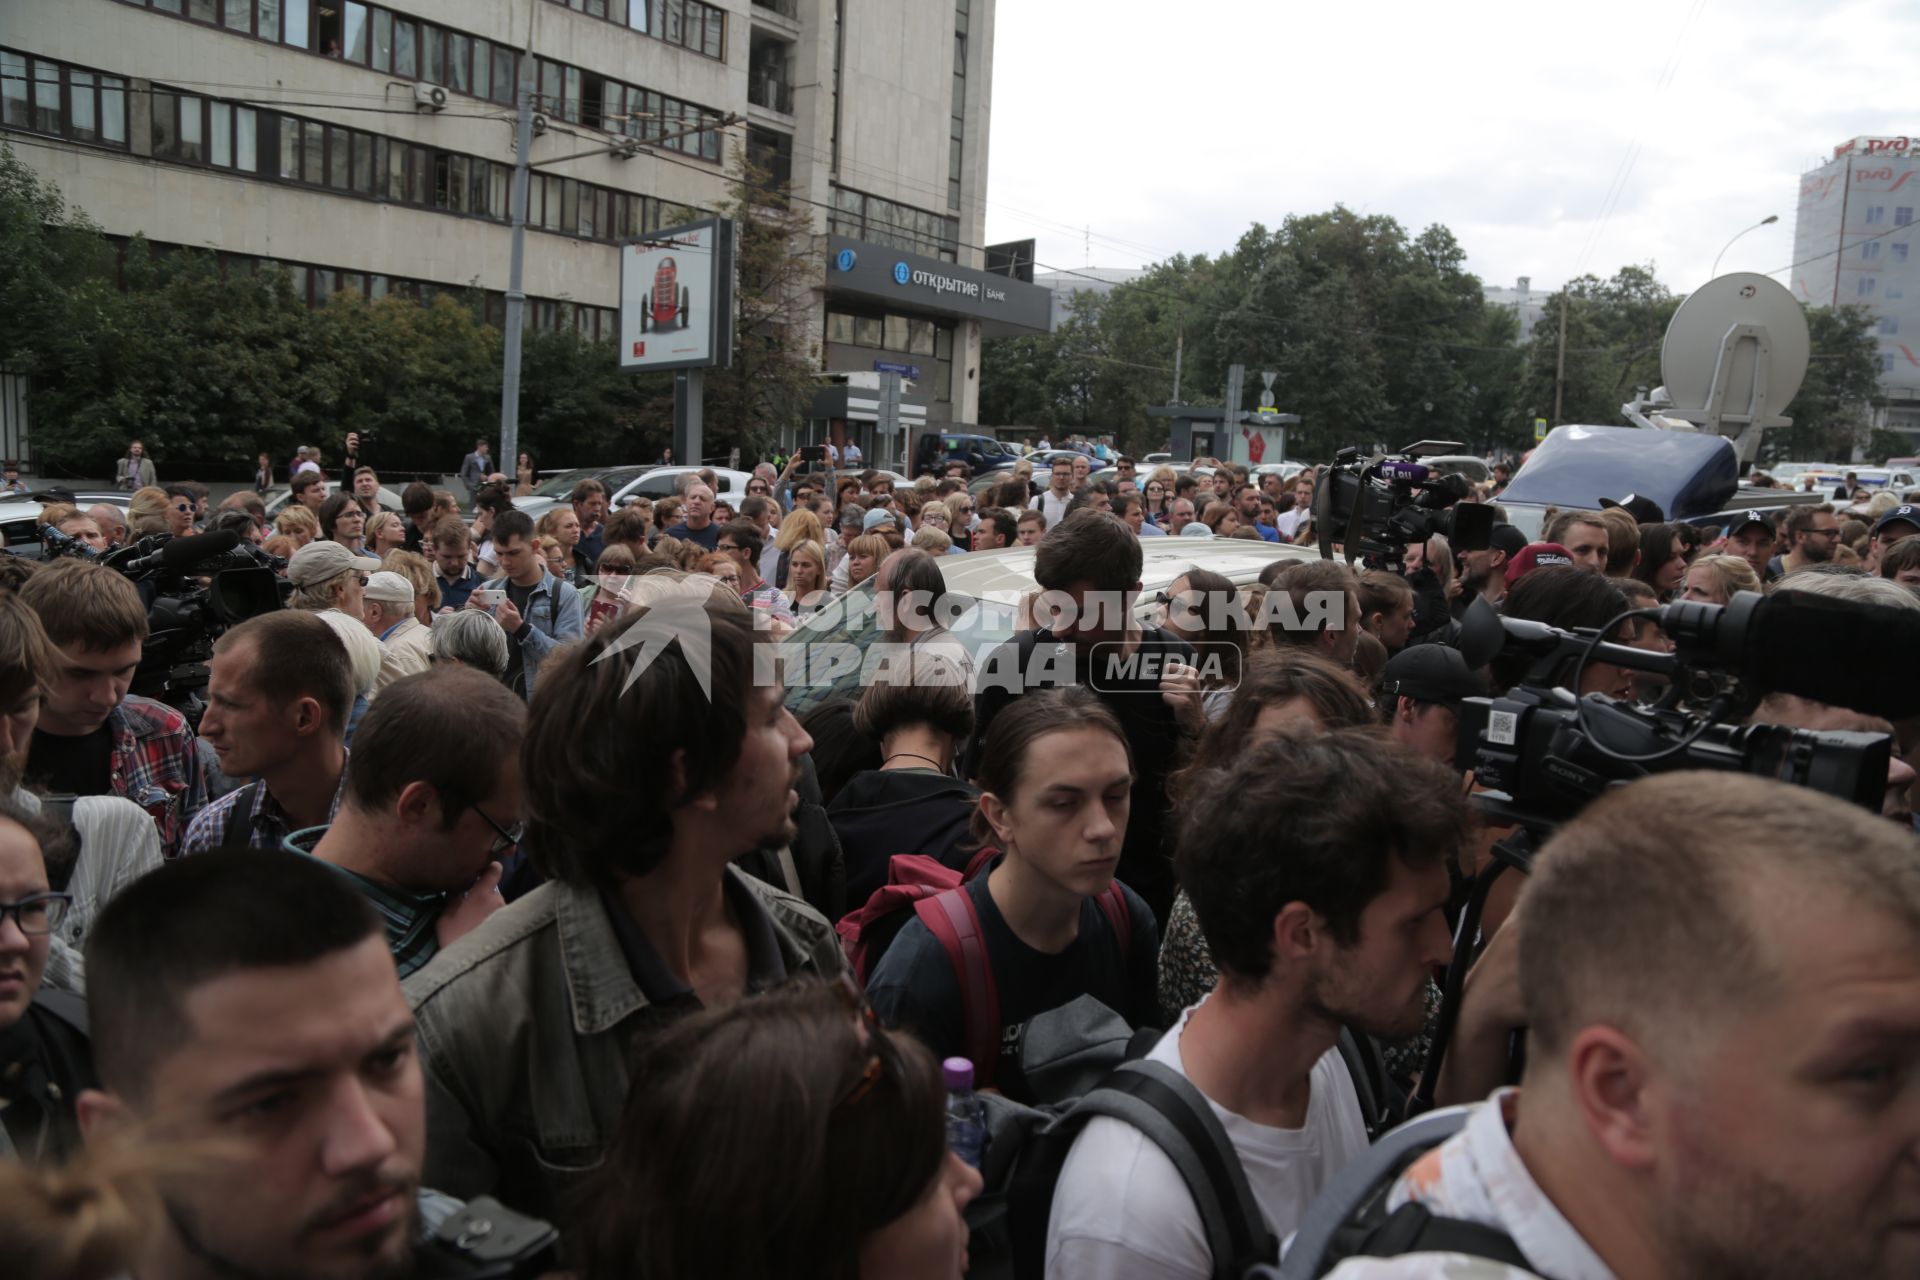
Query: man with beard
[(1723, 1072), (527, 1024), (245, 1011), (1317, 869), (1810, 537), (1484, 573)]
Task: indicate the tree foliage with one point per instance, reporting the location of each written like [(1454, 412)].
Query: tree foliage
[(1833, 412), (1375, 335), (209, 365)]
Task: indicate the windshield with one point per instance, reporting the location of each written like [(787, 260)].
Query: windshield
[(561, 485), (828, 655)]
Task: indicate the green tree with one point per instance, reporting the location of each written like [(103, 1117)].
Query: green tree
[(1614, 330), (1833, 410), (774, 373)]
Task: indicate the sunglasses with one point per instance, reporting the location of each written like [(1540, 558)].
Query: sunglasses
[(183, 506)]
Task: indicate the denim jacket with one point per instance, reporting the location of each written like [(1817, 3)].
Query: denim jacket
[(553, 616), (526, 1031)]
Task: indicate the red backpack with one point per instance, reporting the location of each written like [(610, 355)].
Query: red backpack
[(934, 891)]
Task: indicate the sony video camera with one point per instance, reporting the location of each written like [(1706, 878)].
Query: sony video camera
[(194, 587), (1547, 752), (1372, 507)]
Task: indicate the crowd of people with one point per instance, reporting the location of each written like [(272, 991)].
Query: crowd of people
[(492, 909)]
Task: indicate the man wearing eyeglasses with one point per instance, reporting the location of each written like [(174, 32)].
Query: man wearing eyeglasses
[(431, 810), (45, 1061)]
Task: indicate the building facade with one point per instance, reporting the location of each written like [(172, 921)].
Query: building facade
[(370, 147), (1854, 242), (1527, 303)]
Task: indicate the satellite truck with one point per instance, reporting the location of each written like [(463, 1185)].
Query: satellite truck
[(1734, 356)]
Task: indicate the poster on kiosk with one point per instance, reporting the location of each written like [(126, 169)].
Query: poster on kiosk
[(676, 298)]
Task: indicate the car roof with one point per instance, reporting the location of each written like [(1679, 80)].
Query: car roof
[(1006, 575)]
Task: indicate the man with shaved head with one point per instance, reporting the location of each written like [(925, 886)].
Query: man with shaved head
[(1721, 976)]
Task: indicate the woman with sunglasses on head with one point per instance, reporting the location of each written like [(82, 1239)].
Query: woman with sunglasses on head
[(854, 1115)]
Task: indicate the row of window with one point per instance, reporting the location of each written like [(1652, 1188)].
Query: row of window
[(1896, 251), (1877, 214), (688, 23), (395, 44), (41, 96), (1868, 286), (956, 129), (864, 217), (901, 335)]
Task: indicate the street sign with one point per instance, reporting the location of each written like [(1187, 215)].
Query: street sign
[(1539, 430)]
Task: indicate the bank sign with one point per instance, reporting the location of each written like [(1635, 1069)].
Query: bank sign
[(915, 283)]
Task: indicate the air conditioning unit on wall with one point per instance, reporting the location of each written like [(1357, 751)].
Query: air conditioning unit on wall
[(429, 97)]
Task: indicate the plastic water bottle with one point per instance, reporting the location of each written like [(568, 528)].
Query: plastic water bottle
[(966, 1117)]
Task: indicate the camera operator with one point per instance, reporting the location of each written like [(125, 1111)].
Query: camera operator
[(1567, 597), (1804, 713), (94, 738), (1484, 573), (1722, 1076)]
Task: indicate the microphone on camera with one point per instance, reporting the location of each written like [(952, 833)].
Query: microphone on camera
[(1840, 652), (180, 553)]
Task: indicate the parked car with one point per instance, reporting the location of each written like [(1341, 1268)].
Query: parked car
[(278, 498), (20, 515), (625, 483), (983, 453), (994, 583)]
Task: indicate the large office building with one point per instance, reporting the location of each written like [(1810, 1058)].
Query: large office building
[(1854, 242), (370, 147)]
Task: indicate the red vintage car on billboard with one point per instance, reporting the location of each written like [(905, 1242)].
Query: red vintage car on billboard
[(670, 305)]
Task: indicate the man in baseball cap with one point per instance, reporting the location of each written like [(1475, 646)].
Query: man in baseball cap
[(1532, 556), (1425, 683), (404, 642), (1751, 537), (1484, 573), (1901, 522), (325, 575), (1643, 510), (875, 518)]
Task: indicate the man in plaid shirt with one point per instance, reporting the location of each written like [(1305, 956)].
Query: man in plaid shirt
[(279, 691), (93, 737)]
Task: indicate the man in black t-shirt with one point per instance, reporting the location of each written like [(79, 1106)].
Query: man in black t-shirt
[(1088, 570)]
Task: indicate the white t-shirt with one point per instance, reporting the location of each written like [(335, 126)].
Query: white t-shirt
[(1288, 521), (1122, 1211), (1054, 509)]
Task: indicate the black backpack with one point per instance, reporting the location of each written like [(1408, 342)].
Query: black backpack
[(1349, 1218), (1029, 1145)]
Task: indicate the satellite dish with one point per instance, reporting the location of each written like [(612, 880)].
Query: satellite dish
[(1698, 333), (1734, 356)]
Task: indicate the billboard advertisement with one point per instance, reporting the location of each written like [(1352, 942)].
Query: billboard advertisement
[(676, 298)]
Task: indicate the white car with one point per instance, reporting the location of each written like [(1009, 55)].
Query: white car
[(993, 584), (624, 484), (20, 515), (277, 499)]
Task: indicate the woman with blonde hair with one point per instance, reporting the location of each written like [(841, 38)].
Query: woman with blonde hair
[(806, 565), (385, 532), (800, 526), (864, 555), (297, 524), (147, 512)]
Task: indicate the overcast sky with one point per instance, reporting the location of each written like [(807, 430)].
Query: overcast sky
[(1170, 127)]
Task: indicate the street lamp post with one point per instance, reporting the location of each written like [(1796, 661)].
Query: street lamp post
[(1767, 221)]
